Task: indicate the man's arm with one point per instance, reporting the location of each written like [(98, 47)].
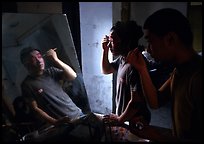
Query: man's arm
[(68, 71), (130, 109), (151, 93), (106, 66), (43, 115)]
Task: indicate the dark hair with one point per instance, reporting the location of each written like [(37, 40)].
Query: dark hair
[(25, 52), (129, 32), (170, 20)]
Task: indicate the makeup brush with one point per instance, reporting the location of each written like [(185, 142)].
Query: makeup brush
[(46, 53)]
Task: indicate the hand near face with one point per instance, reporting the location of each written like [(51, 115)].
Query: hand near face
[(105, 42), (136, 59), (51, 54)]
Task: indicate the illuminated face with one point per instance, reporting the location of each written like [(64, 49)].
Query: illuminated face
[(35, 63), (114, 43)]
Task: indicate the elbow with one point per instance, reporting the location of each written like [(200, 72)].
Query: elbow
[(154, 106), (71, 76), (107, 69), (74, 75), (104, 71), (153, 101)]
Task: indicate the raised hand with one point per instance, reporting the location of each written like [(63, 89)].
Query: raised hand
[(136, 59), (105, 42), (51, 54)]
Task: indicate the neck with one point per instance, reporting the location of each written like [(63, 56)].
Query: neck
[(184, 55), (36, 74)]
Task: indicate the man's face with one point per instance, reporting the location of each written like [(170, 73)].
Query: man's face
[(114, 43), (35, 62), (157, 46)]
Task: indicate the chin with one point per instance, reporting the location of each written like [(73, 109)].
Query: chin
[(42, 68)]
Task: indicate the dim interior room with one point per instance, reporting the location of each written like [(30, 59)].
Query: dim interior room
[(89, 22)]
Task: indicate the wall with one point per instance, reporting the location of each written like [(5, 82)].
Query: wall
[(95, 23), (116, 11), (12, 83), (141, 10), (195, 18), (39, 7)]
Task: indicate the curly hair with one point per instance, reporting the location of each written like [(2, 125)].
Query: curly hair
[(129, 32)]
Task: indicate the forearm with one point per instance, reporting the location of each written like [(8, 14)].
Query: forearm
[(150, 92), (106, 66), (43, 115), (128, 113), (68, 71), (149, 89)]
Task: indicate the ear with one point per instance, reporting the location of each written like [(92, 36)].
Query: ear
[(171, 38)]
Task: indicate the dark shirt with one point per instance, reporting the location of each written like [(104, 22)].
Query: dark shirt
[(186, 91), (128, 80), (47, 91)]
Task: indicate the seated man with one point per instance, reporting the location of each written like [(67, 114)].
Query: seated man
[(42, 90)]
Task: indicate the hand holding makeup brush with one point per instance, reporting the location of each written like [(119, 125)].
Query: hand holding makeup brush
[(48, 51), (51, 54)]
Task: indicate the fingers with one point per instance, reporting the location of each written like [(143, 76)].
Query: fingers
[(106, 116), (110, 119), (63, 120), (105, 39), (49, 52), (110, 116), (66, 119), (105, 43), (54, 49), (132, 55), (135, 52)]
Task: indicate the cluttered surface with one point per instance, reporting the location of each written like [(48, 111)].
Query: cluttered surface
[(93, 128)]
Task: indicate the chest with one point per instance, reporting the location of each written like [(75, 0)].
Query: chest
[(124, 70), (45, 83)]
